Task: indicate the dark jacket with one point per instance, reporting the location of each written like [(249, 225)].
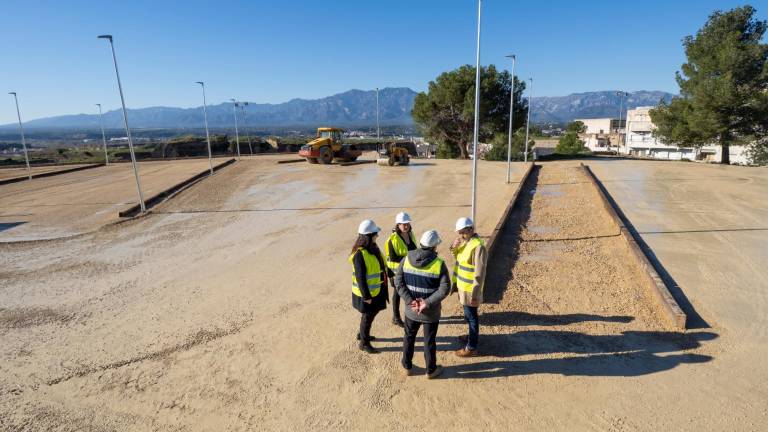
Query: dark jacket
[(380, 301), (411, 245), (420, 258)]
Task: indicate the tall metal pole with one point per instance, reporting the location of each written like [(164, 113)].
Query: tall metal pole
[(237, 134), (528, 120), (511, 113), (378, 131), (127, 129), (621, 95), (23, 138), (103, 135), (207, 134), (477, 115), (245, 125)]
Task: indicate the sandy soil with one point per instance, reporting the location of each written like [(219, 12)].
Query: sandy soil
[(81, 201), (7, 173), (228, 309)]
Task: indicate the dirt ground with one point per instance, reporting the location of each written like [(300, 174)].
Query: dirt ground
[(228, 308), (8, 173), (81, 201)]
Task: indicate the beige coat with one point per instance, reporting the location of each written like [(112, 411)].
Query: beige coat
[(479, 259)]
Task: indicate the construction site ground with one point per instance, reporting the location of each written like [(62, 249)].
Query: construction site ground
[(228, 308), (21, 172), (82, 201)]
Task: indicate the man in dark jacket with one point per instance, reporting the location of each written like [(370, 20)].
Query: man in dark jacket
[(423, 281)]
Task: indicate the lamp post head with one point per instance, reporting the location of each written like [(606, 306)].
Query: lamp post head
[(200, 82), (12, 93), (98, 105), (512, 56), (109, 37)]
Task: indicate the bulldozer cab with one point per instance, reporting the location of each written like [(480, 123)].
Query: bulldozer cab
[(332, 133)]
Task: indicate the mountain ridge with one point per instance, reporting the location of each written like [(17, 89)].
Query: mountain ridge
[(351, 108)]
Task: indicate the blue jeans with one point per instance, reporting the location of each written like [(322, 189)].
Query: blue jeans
[(470, 315)]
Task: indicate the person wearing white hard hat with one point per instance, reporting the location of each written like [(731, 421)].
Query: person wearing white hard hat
[(423, 281), (468, 278), (369, 281), (398, 244)]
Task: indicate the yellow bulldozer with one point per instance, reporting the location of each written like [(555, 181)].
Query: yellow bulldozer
[(393, 153), (327, 147)]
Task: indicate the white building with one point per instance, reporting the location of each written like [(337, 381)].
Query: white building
[(602, 134), (641, 142)]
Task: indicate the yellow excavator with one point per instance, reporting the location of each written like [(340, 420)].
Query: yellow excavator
[(328, 146), (393, 153)]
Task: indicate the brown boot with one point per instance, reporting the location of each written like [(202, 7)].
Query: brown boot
[(466, 353)]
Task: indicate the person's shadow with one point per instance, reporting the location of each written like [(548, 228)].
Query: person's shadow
[(631, 353)]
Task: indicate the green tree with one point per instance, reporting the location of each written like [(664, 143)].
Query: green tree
[(723, 86), (500, 143), (570, 144), (445, 112), (576, 126)]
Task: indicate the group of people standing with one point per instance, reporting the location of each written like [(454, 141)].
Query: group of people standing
[(421, 280)]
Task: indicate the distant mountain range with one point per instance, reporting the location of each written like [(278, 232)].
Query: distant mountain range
[(351, 108), (600, 104)]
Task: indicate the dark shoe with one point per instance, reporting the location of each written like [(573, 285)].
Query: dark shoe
[(409, 372), (398, 322), (435, 373), (466, 353), (368, 348), (464, 339), (370, 338)]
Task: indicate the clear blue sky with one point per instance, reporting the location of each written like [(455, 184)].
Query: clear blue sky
[(273, 51)]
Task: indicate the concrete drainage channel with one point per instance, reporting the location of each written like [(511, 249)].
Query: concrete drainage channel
[(48, 174), (658, 288), (525, 268), (171, 191)]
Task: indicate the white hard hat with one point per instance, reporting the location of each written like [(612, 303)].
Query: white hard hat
[(403, 218), (430, 239), (368, 227), (463, 222)]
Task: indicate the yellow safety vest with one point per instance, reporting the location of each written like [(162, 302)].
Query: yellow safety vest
[(422, 281), (373, 273), (464, 271), (401, 249)]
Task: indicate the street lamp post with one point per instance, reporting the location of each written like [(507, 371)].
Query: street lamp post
[(378, 131), (23, 138), (245, 125), (511, 113), (237, 134), (127, 129), (528, 120), (621, 96), (207, 134), (103, 135), (477, 116)]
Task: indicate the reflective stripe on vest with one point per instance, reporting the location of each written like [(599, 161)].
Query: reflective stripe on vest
[(422, 281), (373, 273), (401, 249), (464, 271)]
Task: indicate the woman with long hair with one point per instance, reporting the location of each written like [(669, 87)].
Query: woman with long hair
[(369, 281)]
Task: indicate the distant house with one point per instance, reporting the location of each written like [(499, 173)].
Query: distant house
[(602, 134)]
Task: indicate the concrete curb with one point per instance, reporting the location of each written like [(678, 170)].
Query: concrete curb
[(49, 174), (491, 243), (171, 191), (659, 290)]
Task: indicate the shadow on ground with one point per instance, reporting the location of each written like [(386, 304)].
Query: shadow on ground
[(560, 351)]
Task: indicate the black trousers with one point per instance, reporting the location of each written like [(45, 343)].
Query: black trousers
[(395, 304), (430, 343), (366, 321)]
